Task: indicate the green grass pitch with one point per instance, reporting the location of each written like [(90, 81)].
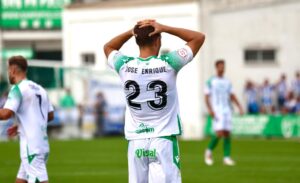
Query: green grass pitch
[(104, 160)]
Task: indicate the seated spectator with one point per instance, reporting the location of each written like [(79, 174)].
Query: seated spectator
[(266, 96), (281, 91), (297, 108), (296, 85), (251, 98), (291, 104)]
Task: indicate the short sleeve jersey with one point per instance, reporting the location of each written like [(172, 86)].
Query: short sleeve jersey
[(150, 89), (30, 103), (219, 89)]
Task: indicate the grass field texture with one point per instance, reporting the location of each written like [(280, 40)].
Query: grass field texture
[(104, 160)]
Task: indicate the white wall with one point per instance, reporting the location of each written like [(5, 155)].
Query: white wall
[(276, 25), (87, 30)]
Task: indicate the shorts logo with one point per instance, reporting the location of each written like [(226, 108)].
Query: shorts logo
[(144, 129), (182, 52), (145, 153)]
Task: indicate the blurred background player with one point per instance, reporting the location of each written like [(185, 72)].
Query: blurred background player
[(29, 102), (152, 117), (218, 98)]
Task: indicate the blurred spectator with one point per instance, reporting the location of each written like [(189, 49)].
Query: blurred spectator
[(281, 91), (266, 95), (291, 104), (100, 107), (296, 85), (251, 98), (69, 115), (80, 117), (297, 108), (67, 101)]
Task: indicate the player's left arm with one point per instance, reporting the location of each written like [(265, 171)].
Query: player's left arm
[(117, 42), (50, 111), (234, 99)]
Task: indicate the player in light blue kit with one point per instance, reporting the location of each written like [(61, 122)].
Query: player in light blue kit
[(29, 102), (218, 98), (152, 121)]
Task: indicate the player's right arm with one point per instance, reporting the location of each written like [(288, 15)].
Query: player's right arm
[(208, 105), (193, 39), (5, 114), (117, 42), (12, 103), (207, 92)]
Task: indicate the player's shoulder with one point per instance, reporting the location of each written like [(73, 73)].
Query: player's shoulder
[(210, 80), (116, 60), (120, 57), (33, 86)]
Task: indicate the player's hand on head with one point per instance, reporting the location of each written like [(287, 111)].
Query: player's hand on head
[(145, 21), (158, 28)]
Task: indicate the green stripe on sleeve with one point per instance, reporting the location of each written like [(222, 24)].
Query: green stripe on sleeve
[(173, 60), (120, 61), (208, 82), (15, 93)]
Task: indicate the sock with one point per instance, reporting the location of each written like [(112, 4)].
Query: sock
[(213, 143), (227, 146)]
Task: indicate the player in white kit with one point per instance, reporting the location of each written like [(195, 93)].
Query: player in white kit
[(152, 121), (29, 102), (218, 98)]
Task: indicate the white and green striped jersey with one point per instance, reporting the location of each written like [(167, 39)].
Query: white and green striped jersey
[(151, 93), (219, 89), (31, 105)]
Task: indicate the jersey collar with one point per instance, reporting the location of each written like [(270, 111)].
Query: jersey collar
[(146, 59)]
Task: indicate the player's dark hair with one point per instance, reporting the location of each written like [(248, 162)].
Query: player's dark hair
[(218, 62), (18, 61), (142, 37)]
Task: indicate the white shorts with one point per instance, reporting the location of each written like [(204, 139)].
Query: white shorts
[(222, 121), (33, 169), (154, 160)]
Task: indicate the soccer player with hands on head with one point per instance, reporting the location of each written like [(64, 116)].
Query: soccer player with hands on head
[(152, 121)]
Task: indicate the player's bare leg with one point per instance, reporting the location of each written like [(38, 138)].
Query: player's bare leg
[(21, 181), (25, 181)]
